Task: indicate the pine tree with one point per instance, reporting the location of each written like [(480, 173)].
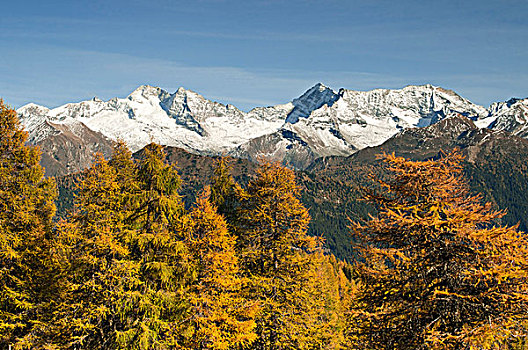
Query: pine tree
[(437, 272), (280, 257), (26, 209), (219, 317)]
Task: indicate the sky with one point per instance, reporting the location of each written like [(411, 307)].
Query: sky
[(257, 53)]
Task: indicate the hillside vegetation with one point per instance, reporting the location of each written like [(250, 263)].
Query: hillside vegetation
[(131, 266)]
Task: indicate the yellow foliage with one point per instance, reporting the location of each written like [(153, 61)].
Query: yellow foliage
[(437, 272)]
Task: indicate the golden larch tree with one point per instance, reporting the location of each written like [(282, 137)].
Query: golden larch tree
[(281, 260), (224, 189), (123, 256), (219, 316), (26, 209), (95, 266), (436, 270), (158, 247)]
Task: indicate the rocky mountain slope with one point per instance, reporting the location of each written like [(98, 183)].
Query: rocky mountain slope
[(496, 166), (320, 123), (67, 145), (511, 116)]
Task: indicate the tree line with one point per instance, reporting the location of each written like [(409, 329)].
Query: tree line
[(131, 268)]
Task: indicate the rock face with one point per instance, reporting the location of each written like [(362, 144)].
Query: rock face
[(70, 148), (319, 123), (67, 146), (479, 145), (511, 116)]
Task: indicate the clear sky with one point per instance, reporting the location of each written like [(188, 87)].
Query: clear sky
[(253, 53)]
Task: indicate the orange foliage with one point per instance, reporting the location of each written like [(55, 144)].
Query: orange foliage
[(437, 272)]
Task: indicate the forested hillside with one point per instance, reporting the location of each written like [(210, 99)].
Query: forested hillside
[(331, 187), (131, 266)]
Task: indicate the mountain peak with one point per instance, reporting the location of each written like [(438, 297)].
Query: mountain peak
[(32, 112), (319, 86), (513, 101), (187, 92), (181, 90), (146, 91), (455, 121), (31, 105), (314, 98)]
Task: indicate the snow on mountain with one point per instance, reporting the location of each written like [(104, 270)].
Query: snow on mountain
[(340, 124), (34, 119), (184, 119), (316, 97), (321, 122), (290, 146), (367, 118), (510, 116)]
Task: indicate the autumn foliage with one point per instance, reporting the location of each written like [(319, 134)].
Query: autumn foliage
[(132, 268), (437, 271), (26, 209)]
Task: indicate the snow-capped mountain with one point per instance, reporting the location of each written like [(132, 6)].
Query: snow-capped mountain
[(351, 120), (368, 118), (316, 97), (511, 116), (321, 122), (184, 119)]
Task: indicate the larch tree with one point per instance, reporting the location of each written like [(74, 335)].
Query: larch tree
[(26, 209), (97, 271), (159, 248), (125, 169), (338, 291), (224, 191), (280, 258), (123, 256), (219, 316), (437, 272)]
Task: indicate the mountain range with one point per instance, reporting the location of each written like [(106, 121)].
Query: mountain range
[(332, 139), (318, 124), (496, 166)]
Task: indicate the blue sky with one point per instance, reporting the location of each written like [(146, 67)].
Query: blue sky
[(253, 53)]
